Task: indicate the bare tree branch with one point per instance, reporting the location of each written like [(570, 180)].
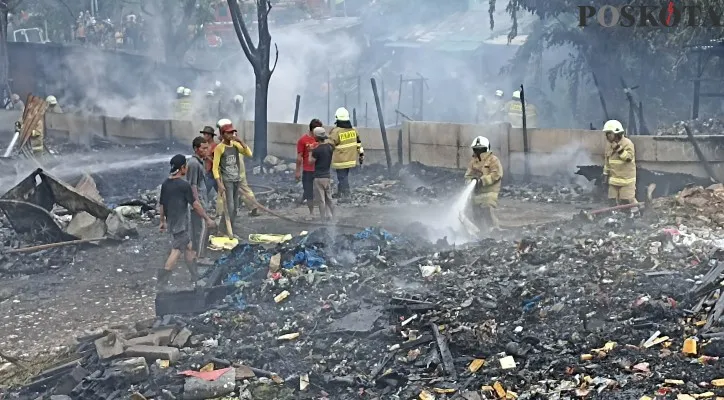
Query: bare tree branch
[(242, 33), (276, 58), (70, 11)]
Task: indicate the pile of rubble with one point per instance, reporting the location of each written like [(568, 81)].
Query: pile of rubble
[(609, 308), (709, 126)]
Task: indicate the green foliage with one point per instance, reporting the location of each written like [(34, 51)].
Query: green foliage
[(652, 57)]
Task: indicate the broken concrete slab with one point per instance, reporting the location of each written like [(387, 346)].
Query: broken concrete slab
[(134, 370), (118, 227), (161, 337), (86, 226), (109, 346), (182, 337), (199, 389), (153, 353)]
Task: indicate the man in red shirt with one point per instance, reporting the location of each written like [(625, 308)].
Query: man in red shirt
[(305, 168)]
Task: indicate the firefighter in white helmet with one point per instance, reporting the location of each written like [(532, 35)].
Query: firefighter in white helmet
[(180, 92), (514, 112), (487, 172), (184, 106), (53, 106), (495, 112), (619, 168), (347, 150)]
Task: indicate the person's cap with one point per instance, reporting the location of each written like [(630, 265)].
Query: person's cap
[(177, 162), (227, 128), (319, 132), (208, 131)]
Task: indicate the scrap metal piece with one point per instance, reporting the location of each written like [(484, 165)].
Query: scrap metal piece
[(447, 360), (35, 220)]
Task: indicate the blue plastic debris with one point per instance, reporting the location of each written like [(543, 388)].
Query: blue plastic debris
[(308, 257), (379, 233), (532, 303)]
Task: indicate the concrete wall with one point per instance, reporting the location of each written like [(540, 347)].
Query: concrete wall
[(552, 151)]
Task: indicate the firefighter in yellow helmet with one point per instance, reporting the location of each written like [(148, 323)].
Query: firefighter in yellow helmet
[(347, 149), (514, 112), (487, 171), (619, 168)]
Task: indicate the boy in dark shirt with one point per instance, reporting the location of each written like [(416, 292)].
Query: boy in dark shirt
[(321, 156), (176, 196)]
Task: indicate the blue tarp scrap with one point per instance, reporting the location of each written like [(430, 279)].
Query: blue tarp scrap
[(307, 257), (368, 232), (532, 303)]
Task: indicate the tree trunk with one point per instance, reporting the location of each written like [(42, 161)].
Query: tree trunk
[(260, 116), (4, 60)]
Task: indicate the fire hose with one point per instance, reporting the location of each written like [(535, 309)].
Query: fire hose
[(270, 190)]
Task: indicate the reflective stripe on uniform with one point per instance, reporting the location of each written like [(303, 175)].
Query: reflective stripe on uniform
[(615, 161), (347, 145), (343, 165), (621, 181)]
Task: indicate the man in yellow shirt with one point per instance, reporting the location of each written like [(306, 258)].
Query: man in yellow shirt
[(229, 171)]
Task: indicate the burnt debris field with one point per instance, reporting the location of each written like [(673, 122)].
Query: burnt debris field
[(562, 304)]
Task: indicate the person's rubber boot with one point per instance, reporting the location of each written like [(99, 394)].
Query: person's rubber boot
[(254, 212), (194, 272), (162, 279)]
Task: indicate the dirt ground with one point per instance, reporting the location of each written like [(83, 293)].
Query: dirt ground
[(114, 284)]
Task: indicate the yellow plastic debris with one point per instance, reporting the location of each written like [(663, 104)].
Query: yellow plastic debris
[(700, 323), (673, 381), (163, 364), (704, 395), (507, 362), (443, 390), (586, 357), (425, 395), (718, 382), (222, 243), (476, 364), (207, 368), (289, 336), (511, 395), (268, 238), (499, 389), (281, 296), (646, 398), (689, 347), (684, 396)]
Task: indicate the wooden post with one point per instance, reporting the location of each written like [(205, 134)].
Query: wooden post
[(382, 124), (296, 108), (525, 135)]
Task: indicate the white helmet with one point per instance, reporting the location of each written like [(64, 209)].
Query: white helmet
[(51, 100), (217, 84), (187, 92), (480, 142), (180, 90), (516, 95), (238, 99), (341, 114), (223, 122), (210, 93), (498, 93), (613, 126)]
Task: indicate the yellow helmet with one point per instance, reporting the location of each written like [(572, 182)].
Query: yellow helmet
[(613, 126)]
